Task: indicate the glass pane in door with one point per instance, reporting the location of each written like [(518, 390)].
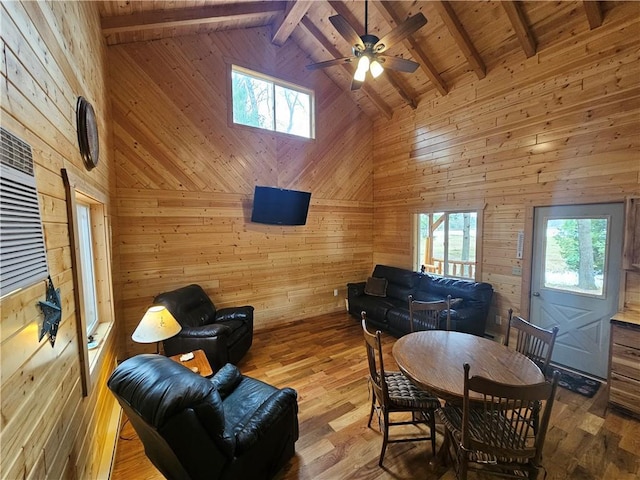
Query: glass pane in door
[(575, 253)]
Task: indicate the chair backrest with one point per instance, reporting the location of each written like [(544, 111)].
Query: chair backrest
[(376, 363), (426, 315), (511, 421), (532, 341), (170, 406), (190, 305)]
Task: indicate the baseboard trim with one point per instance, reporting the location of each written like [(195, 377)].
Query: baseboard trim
[(108, 455)]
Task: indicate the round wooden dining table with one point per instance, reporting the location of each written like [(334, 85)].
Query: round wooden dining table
[(434, 359)]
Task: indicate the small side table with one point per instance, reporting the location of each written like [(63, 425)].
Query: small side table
[(198, 364)]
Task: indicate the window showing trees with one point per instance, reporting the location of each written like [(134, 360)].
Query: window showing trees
[(575, 254), (446, 243), (265, 102)]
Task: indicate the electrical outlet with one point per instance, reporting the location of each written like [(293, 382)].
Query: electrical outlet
[(498, 320), (335, 292), (516, 271)]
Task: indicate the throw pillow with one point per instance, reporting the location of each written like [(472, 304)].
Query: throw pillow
[(376, 287)]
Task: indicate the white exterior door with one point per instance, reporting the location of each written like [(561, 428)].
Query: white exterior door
[(577, 255)]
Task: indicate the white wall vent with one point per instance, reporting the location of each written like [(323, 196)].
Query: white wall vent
[(23, 256)]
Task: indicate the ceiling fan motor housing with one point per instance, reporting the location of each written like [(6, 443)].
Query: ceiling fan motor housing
[(370, 41)]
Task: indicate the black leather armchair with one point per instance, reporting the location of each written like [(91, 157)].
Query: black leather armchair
[(227, 427), (225, 335)]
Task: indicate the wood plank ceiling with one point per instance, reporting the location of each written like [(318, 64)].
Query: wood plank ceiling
[(461, 42)]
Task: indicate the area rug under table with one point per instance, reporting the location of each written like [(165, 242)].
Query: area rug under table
[(576, 382)]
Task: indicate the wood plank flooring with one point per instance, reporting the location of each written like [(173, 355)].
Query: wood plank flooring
[(324, 360)]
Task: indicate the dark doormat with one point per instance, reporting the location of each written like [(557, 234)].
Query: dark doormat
[(576, 383)]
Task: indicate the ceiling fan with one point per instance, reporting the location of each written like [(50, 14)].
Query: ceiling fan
[(368, 49)]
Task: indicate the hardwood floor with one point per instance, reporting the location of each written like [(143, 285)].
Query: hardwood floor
[(324, 360)]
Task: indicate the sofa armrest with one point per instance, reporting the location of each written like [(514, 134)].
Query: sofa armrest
[(468, 320), (244, 313), (264, 417), (205, 331), (355, 289)]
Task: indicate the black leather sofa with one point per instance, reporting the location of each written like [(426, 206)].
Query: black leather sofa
[(225, 334), (228, 427), (390, 312)]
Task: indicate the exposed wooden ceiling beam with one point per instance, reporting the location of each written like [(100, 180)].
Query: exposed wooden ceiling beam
[(418, 53), (332, 50), (187, 16), (296, 9), (516, 17), (394, 79), (594, 13), (390, 75), (461, 37)]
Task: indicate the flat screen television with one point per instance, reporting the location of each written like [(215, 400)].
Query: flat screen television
[(278, 206)]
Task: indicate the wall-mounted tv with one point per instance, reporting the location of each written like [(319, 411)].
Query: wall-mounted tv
[(278, 206)]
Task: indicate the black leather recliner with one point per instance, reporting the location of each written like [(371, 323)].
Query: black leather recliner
[(225, 335), (227, 427)]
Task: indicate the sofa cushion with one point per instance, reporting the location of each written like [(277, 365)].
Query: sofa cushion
[(401, 282), (399, 276), (376, 307), (398, 320), (475, 294), (376, 287)]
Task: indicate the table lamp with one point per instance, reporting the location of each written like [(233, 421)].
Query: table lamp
[(156, 325)]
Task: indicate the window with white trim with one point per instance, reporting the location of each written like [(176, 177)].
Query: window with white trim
[(446, 243), (262, 101), (85, 244), (90, 235)]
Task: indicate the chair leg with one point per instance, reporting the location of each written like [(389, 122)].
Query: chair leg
[(432, 427), (373, 405), (385, 434), (463, 464), (371, 413)]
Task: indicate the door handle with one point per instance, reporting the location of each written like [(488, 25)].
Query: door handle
[(536, 294)]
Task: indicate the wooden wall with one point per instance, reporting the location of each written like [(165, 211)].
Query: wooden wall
[(558, 128), (185, 180), (51, 53)]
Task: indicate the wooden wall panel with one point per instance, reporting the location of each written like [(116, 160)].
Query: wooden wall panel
[(632, 286), (558, 128), (52, 52), (186, 176)]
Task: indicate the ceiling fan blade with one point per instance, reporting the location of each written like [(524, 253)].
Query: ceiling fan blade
[(397, 63), (346, 30), (330, 63), (402, 31)]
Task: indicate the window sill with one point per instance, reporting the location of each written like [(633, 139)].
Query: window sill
[(96, 354)]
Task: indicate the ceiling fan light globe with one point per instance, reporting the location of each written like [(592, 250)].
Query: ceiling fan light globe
[(360, 75), (363, 63), (376, 69)]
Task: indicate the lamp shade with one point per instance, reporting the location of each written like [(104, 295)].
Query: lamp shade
[(157, 324)]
